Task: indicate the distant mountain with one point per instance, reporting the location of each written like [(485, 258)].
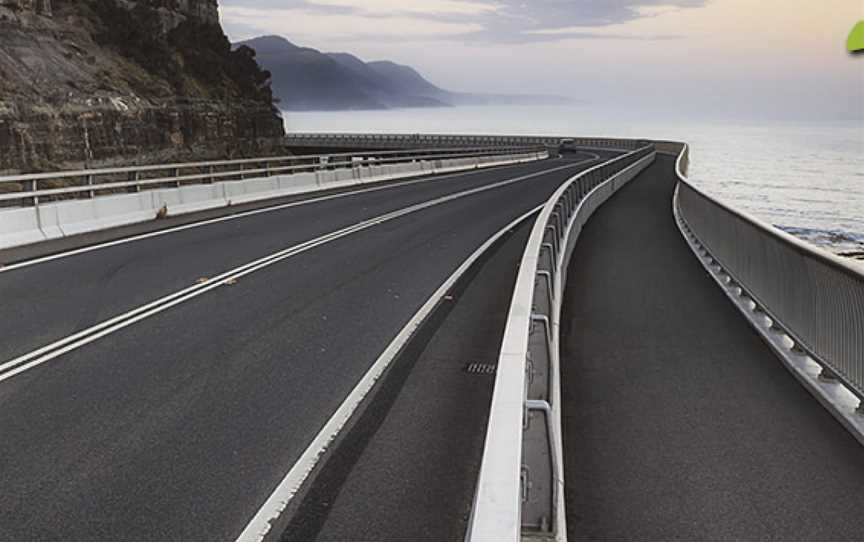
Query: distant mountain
[(307, 79), (304, 78), (406, 79), (393, 84)]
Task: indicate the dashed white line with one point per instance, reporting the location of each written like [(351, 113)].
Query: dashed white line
[(57, 348), (244, 214)]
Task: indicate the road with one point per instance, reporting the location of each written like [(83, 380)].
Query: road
[(679, 423), (176, 421)]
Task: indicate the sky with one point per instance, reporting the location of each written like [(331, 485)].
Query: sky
[(746, 59)]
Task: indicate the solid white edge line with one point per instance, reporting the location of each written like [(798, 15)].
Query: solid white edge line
[(62, 346), (244, 214), (271, 510)]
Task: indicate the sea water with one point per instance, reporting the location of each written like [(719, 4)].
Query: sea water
[(804, 177)]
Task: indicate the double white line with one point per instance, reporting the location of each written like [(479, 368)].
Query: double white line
[(58, 348), (236, 216)]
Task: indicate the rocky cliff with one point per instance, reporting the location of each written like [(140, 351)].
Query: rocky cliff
[(97, 82)]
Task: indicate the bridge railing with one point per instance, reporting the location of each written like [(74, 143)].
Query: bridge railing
[(810, 295), (359, 140), (28, 190), (520, 486)]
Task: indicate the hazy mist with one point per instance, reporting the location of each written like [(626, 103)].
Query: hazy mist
[(778, 59)]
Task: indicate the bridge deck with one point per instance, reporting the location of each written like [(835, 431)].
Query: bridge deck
[(407, 470), (679, 423), (179, 426)]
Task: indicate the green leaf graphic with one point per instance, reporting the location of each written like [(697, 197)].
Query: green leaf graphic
[(856, 38)]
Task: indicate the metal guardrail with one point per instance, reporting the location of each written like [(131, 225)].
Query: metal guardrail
[(814, 297), (23, 190), (520, 487), (26, 190), (358, 140)]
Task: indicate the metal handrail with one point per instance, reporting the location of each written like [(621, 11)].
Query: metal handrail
[(526, 382), (811, 295), (489, 140), (241, 161), (26, 187)]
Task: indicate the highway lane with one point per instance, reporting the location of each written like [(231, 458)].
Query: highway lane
[(54, 299), (410, 472), (180, 426)]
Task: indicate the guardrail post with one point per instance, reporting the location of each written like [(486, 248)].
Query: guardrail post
[(90, 193), (551, 241), (177, 174), (538, 471), (828, 374), (540, 347), (134, 176), (33, 186), (544, 292)]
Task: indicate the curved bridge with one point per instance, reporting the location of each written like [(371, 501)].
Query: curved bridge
[(475, 338)]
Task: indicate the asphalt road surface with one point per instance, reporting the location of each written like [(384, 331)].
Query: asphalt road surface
[(178, 424), (679, 423)]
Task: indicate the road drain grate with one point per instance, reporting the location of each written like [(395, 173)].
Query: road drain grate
[(480, 369)]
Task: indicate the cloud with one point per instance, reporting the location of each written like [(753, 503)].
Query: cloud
[(501, 21), (301, 23), (414, 7)]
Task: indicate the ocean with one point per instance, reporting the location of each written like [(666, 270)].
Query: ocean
[(806, 178)]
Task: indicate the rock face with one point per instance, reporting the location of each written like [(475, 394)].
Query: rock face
[(100, 82), (31, 6)]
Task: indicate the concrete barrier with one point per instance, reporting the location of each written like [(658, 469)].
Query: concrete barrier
[(20, 227), (297, 183), (527, 381), (46, 221), (188, 199), (66, 218), (49, 221)]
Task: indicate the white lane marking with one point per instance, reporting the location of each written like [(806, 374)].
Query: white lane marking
[(272, 509), (244, 214), (46, 353)]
